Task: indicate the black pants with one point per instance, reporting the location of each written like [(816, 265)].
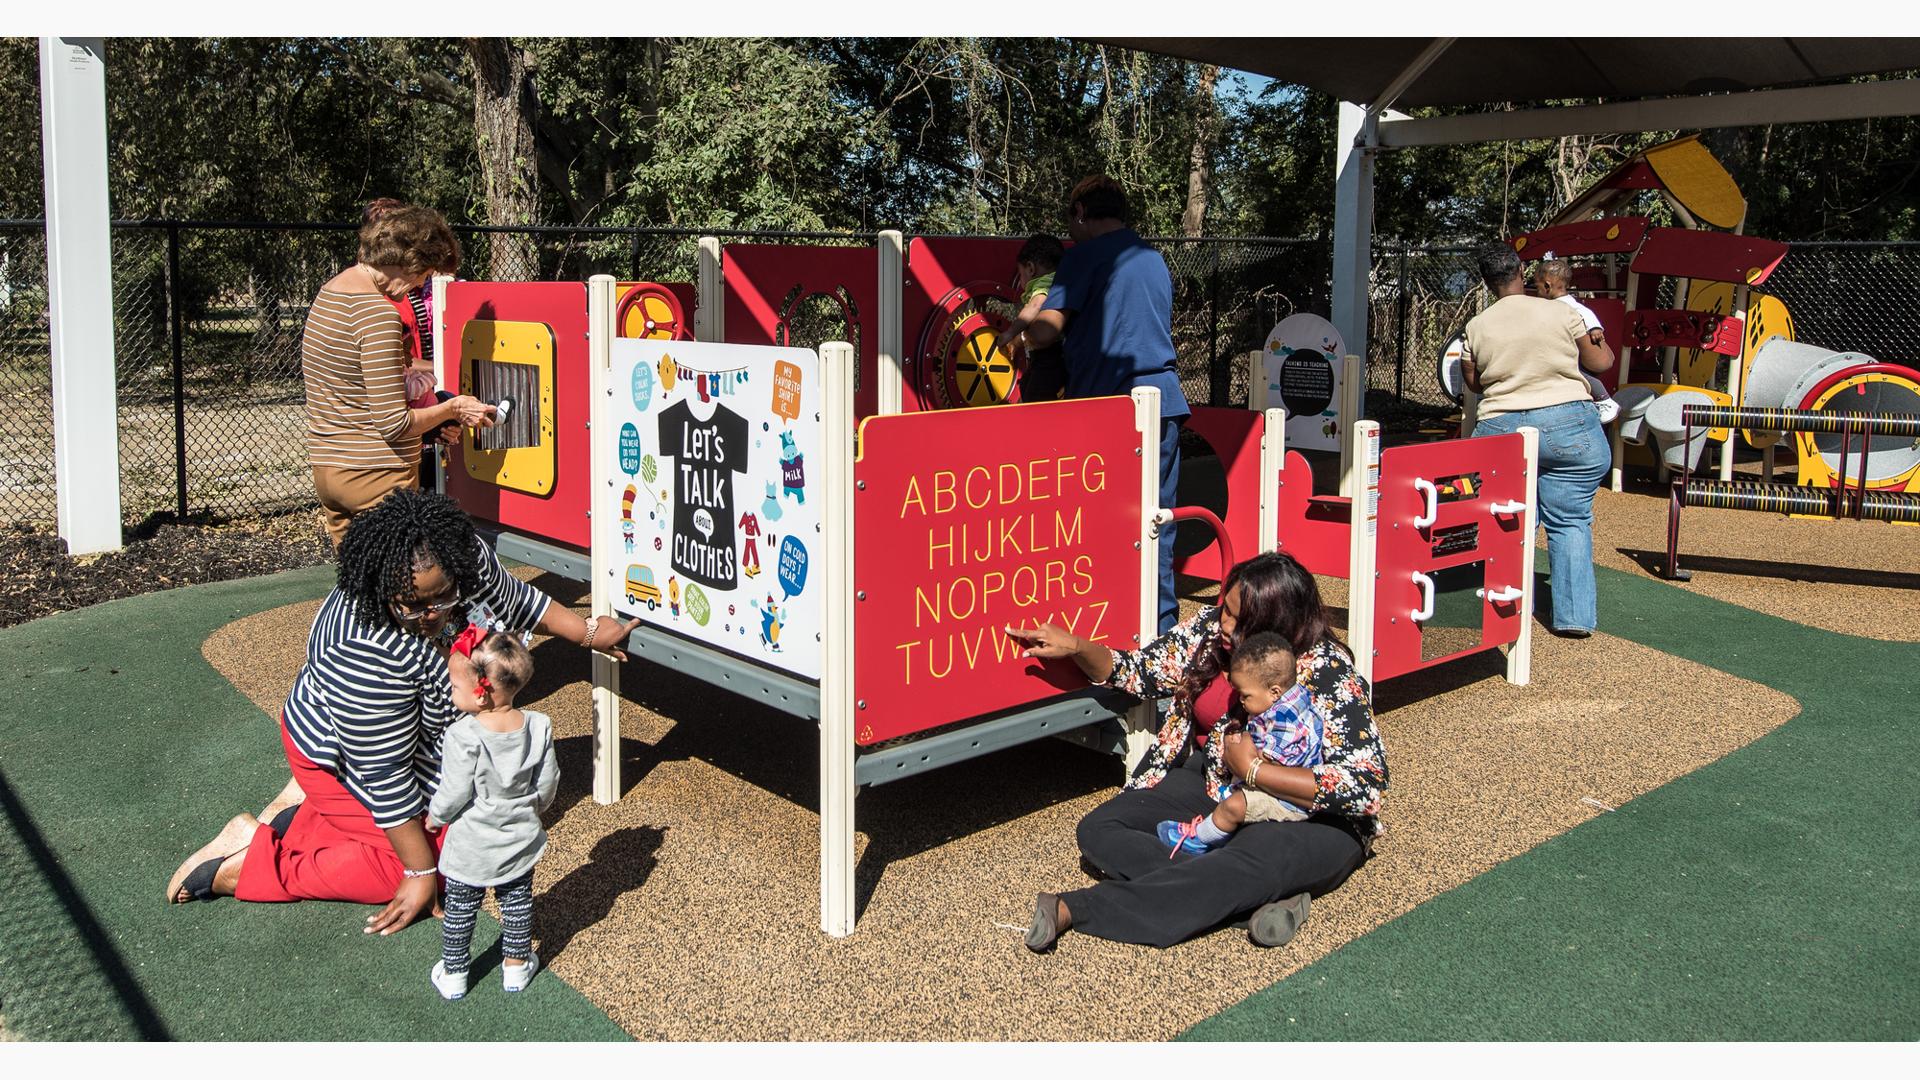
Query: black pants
[(1154, 900)]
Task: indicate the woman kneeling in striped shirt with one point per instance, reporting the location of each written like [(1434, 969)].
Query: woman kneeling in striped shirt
[(363, 725)]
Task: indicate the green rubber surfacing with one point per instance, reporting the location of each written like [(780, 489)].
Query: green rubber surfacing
[(121, 751), (1770, 895)]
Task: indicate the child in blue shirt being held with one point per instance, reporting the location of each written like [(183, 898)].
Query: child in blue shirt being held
[(1285, 730)]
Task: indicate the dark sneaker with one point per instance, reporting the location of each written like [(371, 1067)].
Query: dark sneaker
[(1275, 924)]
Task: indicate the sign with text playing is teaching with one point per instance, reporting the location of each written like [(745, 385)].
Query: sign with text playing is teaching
[(972, 520), (715, 527)]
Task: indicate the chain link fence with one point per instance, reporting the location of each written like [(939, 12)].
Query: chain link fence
[(208, 318)]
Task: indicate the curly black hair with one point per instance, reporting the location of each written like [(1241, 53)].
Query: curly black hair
[(406, 530)]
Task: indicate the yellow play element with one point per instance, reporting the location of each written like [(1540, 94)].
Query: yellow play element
[(1767, 318), (1698, 182), (1895, 464), (529, 469)]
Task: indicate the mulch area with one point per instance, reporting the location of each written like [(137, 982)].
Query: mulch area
[(38, 577), (690, 908)]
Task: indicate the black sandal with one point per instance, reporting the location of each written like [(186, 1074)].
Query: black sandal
[(198, 885), (1045, 929)]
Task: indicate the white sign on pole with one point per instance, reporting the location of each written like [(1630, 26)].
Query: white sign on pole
[(1302, 368), (718, 523)]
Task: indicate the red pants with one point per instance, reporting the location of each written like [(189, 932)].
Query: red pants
[(332, 851)]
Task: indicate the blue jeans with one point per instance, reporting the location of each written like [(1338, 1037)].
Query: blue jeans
[(1574, 458), (1169, 497)]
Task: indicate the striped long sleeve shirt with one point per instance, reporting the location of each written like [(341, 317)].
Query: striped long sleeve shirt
[(353, 357), (371, 703)]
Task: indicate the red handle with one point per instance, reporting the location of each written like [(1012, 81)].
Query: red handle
[(1201, 513)]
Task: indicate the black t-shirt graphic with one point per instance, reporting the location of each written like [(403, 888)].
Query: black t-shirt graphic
[(709, 452)]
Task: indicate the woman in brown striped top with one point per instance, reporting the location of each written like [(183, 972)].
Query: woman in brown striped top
[(363, 441)]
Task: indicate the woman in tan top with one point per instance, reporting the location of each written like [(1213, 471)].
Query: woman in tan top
[(363, 441), (1524, 355)]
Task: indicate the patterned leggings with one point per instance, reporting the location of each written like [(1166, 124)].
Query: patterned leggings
[(463, 907)]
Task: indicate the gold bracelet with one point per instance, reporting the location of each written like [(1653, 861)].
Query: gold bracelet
[(593, 627), (1252, 776)]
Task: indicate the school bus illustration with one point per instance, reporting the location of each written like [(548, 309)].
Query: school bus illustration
[(640, 587)]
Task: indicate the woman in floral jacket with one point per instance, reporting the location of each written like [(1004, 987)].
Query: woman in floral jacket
[(1268, 868)]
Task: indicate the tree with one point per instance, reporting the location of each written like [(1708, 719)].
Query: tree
[(504, 108)]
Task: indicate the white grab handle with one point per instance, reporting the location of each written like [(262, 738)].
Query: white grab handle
[(1426, 592), (1505, 594), (1511, 506), (1433, 503)]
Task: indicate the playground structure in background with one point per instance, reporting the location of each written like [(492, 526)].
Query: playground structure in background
[(1622, 265), (911, 529)]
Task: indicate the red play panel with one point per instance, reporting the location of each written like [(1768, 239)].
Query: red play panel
[(1599, 237), (1465, 530), (1234, 435), (970, 520), (767, 284), (941, 272), (1314, 529), (561, 515), (1694, 253)]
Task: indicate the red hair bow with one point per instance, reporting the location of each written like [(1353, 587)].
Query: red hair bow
[(469, 640)]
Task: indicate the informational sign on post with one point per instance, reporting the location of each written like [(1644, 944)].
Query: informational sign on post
[(1302, 368), (973, 520), (715, 528)]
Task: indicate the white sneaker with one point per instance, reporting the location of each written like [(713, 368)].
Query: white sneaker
[(1609, 410), (452, 987), (515, 977)]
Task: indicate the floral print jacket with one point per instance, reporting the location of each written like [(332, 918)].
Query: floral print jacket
[(1353, 773)]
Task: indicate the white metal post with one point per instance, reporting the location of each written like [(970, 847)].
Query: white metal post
[(889, 319), (1520, 653), (1352, 404), (86, 437), (710, 314), (438, 331), (1469, 412), (1615, 443), (601, 570), (1353, 150), (1363, 491), (1273, 458), (1143, 720), (837, 705), (1256, 362)]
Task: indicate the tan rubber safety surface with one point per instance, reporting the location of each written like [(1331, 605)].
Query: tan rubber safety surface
[(690, 909), (1851, 577)]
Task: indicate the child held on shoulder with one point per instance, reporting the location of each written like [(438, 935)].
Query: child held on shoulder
[(1552, 281), (1285, 729), (497, 773)]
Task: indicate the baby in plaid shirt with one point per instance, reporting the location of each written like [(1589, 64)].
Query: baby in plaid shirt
[(1284, 728)]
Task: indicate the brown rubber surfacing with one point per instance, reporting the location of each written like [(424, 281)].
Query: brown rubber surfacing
[(690, 909)]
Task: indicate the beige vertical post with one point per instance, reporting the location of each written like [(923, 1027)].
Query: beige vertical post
[(890, 319), (601, 471), (1520, 653), (710, 314), (1273, 458), (439, 334), (838, 708), (1352, 404), (1143, 719), (1362, 488), (1256, 380)]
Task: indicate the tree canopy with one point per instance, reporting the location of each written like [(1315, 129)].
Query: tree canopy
[(932, 134)]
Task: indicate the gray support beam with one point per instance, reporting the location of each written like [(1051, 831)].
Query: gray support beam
[(86, 436), (1354, 148), (1847, 101)]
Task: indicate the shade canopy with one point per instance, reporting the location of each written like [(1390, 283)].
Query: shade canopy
[(1479, 71)]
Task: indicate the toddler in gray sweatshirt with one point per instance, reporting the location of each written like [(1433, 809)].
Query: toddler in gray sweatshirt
[(497, 773)]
